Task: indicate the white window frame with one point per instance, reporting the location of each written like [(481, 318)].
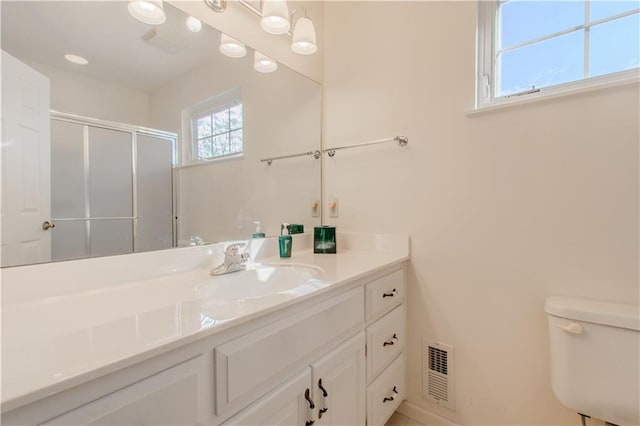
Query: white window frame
[(220, 102), (487, 78)]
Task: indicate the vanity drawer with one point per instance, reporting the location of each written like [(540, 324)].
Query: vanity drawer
[(249, 366), (386, 393), (384, 293), (385, 340)]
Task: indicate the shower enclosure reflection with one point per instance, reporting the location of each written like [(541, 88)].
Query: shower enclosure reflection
[(111, 188)]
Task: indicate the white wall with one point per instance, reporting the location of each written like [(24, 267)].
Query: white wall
[(220, 200), (503, 208), (75, 93)]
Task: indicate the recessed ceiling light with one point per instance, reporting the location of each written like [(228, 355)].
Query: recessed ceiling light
[(76, 59), (194, 24), (148, 11)]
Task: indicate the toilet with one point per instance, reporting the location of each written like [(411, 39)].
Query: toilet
[(595, 357)]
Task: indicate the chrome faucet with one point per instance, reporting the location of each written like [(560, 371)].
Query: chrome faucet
[(236, 257)]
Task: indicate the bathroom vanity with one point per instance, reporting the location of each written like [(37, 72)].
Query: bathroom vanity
[(99, 345)]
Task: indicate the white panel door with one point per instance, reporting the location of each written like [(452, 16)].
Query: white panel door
[(339, 384), (26, 164)]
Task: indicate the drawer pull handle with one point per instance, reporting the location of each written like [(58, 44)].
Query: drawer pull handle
[(390, 398), (390, 294), (309, 422), (324, 391), (391, 342), (321, 412), (308, 398)]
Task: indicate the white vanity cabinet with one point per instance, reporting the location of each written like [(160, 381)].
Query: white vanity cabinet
[(336, 358)]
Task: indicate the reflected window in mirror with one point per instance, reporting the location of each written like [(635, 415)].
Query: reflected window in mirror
[(217, 128)]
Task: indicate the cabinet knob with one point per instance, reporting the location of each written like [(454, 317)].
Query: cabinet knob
[(390, 294), (308, 398)]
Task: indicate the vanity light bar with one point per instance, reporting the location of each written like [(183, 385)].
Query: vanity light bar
[(316, 155), (400, 140)]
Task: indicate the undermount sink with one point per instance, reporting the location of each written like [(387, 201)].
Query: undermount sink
[(260, 285)]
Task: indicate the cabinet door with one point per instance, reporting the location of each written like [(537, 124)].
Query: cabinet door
[(339, 384), (176, 396), (286, 405)]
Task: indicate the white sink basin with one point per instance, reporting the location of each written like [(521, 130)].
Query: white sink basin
[(261, 285)]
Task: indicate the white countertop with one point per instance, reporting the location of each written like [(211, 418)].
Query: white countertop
[(90, 328)]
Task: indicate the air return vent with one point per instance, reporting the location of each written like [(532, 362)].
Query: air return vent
[(437, 373)]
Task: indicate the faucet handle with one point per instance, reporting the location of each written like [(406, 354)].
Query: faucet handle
[(234, 249)]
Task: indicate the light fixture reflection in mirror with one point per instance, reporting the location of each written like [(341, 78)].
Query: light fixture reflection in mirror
[(148, 11), (231, 47), (264, 64)]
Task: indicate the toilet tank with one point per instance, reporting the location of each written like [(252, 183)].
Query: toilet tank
[(595, 357)]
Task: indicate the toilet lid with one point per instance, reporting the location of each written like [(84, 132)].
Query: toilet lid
[(615, 314)]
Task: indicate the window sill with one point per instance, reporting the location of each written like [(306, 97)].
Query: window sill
[(548, 95), (211, 161)]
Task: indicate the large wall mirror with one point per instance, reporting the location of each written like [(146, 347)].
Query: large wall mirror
[(156, 142)]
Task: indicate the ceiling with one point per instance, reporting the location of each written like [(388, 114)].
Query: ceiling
[(112, 40)]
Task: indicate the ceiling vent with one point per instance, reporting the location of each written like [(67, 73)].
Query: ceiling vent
[(437, 373), (165, 40)]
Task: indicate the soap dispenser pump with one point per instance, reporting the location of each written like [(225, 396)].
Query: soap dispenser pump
[(258, 233), (285, 241)]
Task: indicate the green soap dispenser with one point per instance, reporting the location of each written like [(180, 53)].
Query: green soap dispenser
[(258, 233), (285, 241)]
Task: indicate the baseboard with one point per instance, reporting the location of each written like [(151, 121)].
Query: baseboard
[(423, 416)]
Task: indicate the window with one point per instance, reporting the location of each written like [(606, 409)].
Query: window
[(215, 126), (526, 46)]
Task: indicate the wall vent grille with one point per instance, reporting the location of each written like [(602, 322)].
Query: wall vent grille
[(437, 373)]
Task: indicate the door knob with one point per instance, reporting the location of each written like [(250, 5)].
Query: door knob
[(46, 225)]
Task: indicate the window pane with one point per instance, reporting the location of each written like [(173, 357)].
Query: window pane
[(221, 122), (204, 127), (204, 149), (599, 9), (236, 117), (554, 61), (236, 141), (526, 20), (221, 145), (614, 46)]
